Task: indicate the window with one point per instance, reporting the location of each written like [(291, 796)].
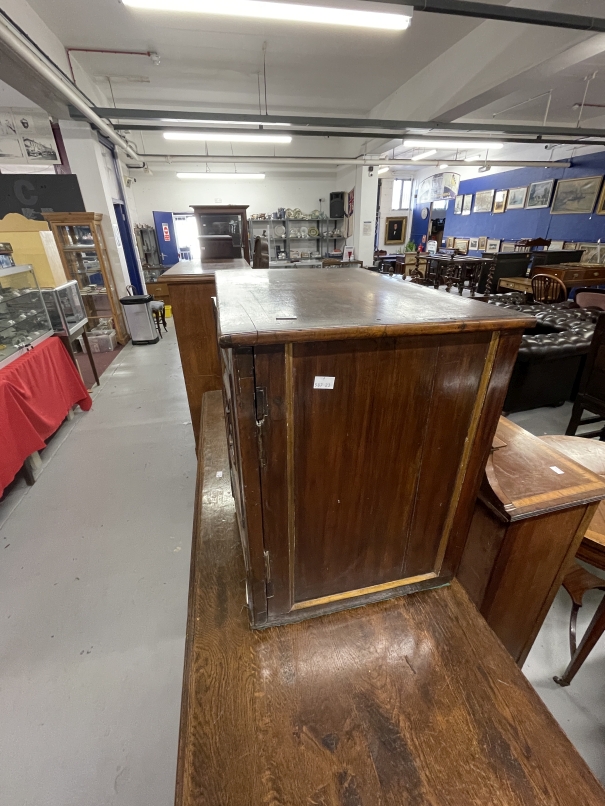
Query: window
[(402, 194)]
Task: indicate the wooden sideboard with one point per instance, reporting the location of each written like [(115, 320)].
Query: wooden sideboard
[(191, 288), (361, 413), (532, 512), (573, 274), (407, 702)]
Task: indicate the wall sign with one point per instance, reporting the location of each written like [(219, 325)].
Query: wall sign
[(34, 194), (26, 137), (166, 232)]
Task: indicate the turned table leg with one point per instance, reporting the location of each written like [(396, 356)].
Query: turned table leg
[(591, 636)]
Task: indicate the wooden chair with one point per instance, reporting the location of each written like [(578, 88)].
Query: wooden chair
[(548, 289), (591, 392), (532, 243), (260, 258)]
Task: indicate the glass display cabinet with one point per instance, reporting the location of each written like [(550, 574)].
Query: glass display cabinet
[(81, 244), (24, 320), (216, 223), (65, 308)]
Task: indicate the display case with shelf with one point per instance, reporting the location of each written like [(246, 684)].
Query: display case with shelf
[(65, 308), (24, 320), (219, 221), (81, 244), (306, 240)]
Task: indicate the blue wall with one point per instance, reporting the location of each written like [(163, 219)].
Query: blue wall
[(515, 224)]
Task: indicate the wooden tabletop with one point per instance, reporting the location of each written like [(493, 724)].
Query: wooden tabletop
[(279, 306), (197, 271), (409, 702), (528, 477), (591, 454)]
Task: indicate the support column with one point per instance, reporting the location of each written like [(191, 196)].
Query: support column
[(86, 161), (366, 197)]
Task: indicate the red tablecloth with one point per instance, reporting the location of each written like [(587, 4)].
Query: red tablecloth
[(36, 392)]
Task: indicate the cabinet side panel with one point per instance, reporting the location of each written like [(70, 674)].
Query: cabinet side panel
[(247, 448), (455, 400), (196, 334), (484, 541), (357, 453)]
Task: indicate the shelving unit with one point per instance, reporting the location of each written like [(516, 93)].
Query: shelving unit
[(319, 245), (81, 244)]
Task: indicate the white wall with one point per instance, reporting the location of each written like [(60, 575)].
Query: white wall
[(164, 191)]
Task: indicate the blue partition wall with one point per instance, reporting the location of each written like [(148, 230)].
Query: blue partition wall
[(515, 224)]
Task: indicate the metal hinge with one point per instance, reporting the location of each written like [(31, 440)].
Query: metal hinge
[(268, 582), (261, 403)]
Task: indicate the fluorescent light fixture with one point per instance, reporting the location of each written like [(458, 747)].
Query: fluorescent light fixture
[(443, 165), (223, 122), (424, 155), (216, 137), (354, 13), (452, 145), (213, 175), (383, 169)]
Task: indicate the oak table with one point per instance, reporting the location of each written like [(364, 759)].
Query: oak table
[(591, 454), (407, 702), (190, 286), (360, 412), (532, 512)]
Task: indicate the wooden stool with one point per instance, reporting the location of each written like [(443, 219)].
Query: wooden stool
[(158, 309), (591, 454)]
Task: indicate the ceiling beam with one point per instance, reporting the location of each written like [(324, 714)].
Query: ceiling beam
[(403, 126)]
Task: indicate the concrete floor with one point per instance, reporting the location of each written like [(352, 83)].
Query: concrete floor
[(93, 598)]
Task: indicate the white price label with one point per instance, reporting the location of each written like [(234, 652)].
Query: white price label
[(323, 382), (558, 470)]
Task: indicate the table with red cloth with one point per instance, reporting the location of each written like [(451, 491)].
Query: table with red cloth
[(37, 391)]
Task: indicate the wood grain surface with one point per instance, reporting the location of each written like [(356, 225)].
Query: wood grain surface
[(409, 702), (280, 306)]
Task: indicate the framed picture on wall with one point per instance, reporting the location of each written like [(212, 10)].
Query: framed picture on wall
[(593, 252), (482, 245), (493, 245), (500, 197), (473, 244), (394, 231), (556, 246), (539, 194), (576, 195), (458, 205), (601, 203), (467, 204), (449, 242), (461, 244), (484, 201), (516, 198)]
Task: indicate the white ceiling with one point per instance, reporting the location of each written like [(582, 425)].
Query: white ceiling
[(444, 67)]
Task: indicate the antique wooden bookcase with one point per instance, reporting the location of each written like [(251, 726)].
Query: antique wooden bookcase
[(360, 414)]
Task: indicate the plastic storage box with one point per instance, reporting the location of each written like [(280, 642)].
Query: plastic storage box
[(102, 341)]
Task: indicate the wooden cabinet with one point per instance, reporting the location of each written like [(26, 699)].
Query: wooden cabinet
[(531, 514), (190, 287), (573, 273), (219, 223), (81, 243), (159, 291), (360, 416)]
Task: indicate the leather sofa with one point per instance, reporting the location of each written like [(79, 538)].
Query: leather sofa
[(552, 353)]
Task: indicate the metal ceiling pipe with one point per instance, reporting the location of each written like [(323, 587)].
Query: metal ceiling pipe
[(171, 159), (26, 54), (405, 126), (485, 11)]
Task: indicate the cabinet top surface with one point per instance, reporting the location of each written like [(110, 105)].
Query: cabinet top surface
[(276, 305), (410, 701), (528, 477), (196, 271)]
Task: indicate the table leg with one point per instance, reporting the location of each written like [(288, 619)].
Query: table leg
[(90, 358), (591, 636)]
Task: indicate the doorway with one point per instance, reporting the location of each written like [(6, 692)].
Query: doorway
[(437, 222)]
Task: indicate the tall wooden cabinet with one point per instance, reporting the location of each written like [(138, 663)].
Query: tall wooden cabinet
[(81, 243), (221, 221), (360, 413)]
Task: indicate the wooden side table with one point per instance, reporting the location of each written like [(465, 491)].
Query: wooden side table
[(532, 512), (591, 454)]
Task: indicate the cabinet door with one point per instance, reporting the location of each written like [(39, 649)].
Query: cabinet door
[(360, 481)]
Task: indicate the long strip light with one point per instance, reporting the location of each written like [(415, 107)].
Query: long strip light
[(452, 145), (424, 155), (352, 13), (383, 169), (215, 137), (215, 175), (223, 122)]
